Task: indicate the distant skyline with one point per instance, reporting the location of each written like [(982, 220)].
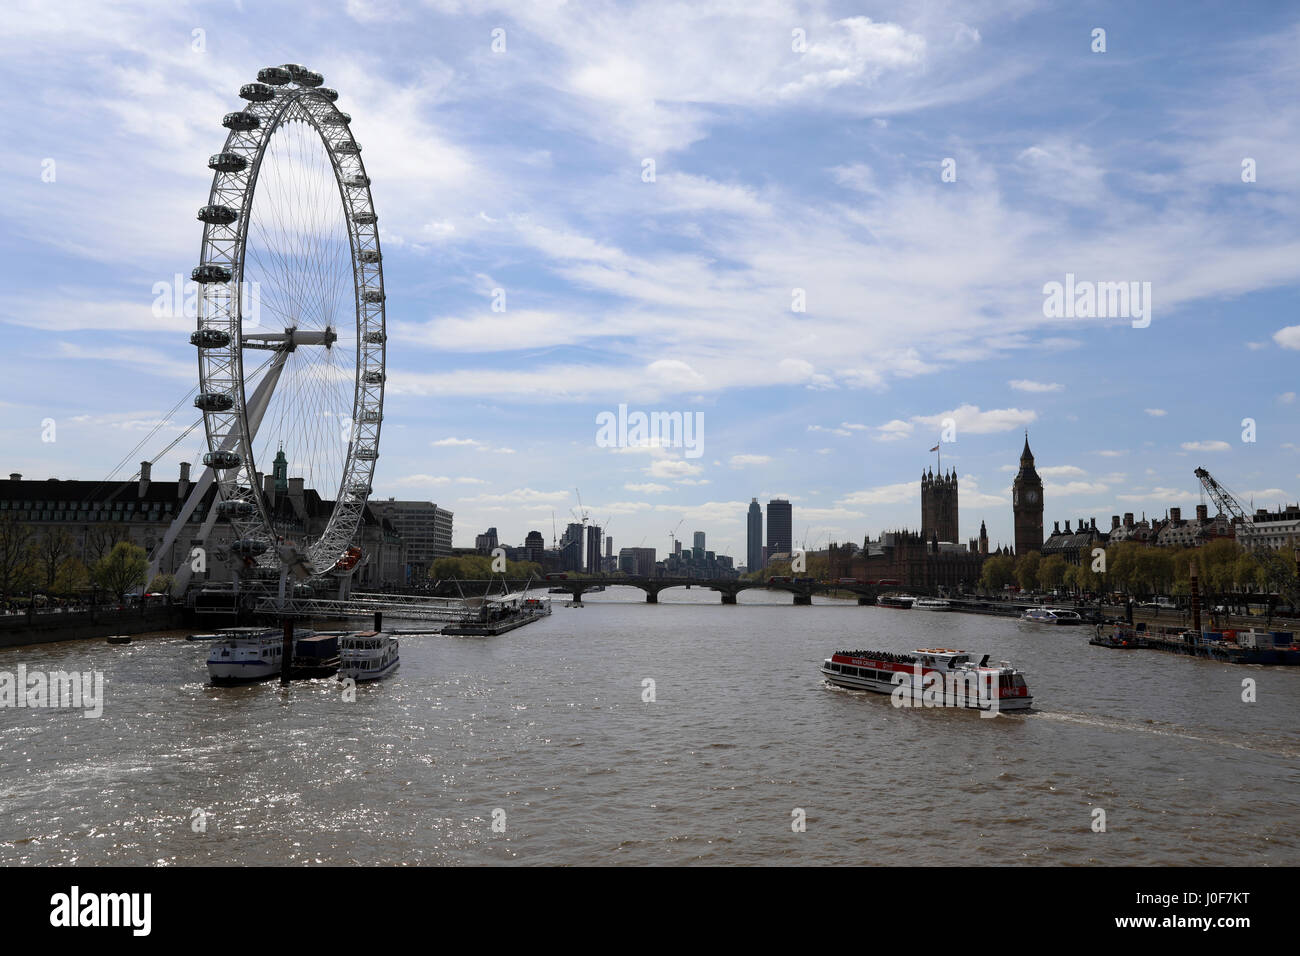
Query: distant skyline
[(782, 178)]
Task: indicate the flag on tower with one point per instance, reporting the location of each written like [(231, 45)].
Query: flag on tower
[(935, 448)]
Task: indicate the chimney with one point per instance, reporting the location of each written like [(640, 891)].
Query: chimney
[(145, 469), (1067, 526), (1114, 522), (1175, 515), (183, 486), (1056, 527), (1092, 525), (1128, 519), (1202, 513)]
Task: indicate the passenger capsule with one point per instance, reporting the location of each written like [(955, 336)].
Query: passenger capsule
[(210, 273), (375, 338), (372, 296), (293, 69), (373, 377), (221, 459), (210, 338), (359, 488), (218, 215), (371, 415), (359, 181), (365, 219), (309, 79), (227, 162), (213, 402), (242, 121), (336, 118), (368, 255), (367, 454), (236, 508), (348, 147), (248, 547), (331, 95), (257, 92), (275, 75)]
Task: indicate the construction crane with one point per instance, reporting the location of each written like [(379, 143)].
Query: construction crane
[(555, 541), (1249, 536), (672, 538)]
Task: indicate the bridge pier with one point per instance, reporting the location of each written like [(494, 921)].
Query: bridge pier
[(865, 601), (652, 597), (803, 599), (728, 598)]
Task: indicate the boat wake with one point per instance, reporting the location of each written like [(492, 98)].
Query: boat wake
[(1273, 746)]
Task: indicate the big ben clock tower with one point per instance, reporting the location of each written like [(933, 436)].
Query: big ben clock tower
[(1027, 504)]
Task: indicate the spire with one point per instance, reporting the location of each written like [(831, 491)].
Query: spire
[(1027, 454)]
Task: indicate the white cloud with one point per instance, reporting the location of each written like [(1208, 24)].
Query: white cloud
[(895, 430), (1061, 471), (647, 488), (969, 418), (742, 461), (673, 468), (1205, 446), (1156, 412), (1025, 385), (1289, 337)]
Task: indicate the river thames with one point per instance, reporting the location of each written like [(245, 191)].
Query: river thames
[(545, 731)]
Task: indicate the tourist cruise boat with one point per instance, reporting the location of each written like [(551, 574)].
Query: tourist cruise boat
[(895, 600), (241, 655), (877, 671), (367, 655), (931, 604), (1051, 615)]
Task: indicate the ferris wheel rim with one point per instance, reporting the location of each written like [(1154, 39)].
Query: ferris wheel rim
[(237, 171)]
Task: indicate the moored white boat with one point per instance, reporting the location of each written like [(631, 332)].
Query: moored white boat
[(949, 674), (1051, 615), (368, 655), (895, 600), (931, 604), (241, 655)]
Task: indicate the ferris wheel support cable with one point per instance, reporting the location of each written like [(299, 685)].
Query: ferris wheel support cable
[(261, 398)]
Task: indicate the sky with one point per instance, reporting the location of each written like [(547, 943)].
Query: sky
[(825, 230)]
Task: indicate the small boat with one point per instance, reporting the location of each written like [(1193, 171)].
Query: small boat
[(1051, 615), (931, 677), (1119, 637), (316, 655), (368, 655), (202, 637), (119, 639), (895, 600), (931, 604), (537, 606)]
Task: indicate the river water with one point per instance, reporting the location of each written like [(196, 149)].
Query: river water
[(545, 731)]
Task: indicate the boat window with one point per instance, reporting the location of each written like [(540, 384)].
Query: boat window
[(835, 667)]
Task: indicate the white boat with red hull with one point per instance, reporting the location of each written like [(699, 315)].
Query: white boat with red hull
[(951, 672)]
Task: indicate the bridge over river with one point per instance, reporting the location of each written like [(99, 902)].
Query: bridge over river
[(803, 590)]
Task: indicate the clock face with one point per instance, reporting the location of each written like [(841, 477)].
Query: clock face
[(1031, 496)]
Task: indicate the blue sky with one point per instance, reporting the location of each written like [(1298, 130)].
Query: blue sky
[(775, 170)]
